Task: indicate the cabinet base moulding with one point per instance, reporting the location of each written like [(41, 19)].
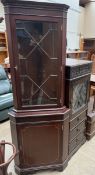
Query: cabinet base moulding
[(32, 170)]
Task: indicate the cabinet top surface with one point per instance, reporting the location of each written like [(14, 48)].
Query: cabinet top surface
[(70, 62), (27, 2), (49, 1)]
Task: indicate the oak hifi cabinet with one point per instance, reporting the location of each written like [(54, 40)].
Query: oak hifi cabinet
[(37, 51), (77, 95)]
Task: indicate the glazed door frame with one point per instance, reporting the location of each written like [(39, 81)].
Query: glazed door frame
[(14, 61)]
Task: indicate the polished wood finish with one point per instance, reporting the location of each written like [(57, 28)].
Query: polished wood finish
[(78, 119), (40, 12), (43, 139), (77, 95), (37, 51)]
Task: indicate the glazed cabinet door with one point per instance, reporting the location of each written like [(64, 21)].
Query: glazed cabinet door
[(38, 63), (78, 94)]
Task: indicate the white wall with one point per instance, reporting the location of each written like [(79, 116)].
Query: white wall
[(81, 21), (2, 25), (89, 24), (72, 25), (75, 23), (72, 30), (74, 4), (72, 22)]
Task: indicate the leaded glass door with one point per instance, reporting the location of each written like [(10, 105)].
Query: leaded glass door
[(39, 63)]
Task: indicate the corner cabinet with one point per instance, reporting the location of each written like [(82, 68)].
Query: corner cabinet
[(37, 51), (37, 46)]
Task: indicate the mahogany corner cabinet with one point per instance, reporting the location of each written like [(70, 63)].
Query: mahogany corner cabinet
[(37, 51)]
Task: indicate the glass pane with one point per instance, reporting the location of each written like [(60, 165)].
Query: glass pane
[(38, 61), (79, 96)]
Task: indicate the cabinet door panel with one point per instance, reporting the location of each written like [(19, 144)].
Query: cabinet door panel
[(41, 144)]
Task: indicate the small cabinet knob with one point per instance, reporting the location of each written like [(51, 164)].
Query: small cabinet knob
[(15, 68)]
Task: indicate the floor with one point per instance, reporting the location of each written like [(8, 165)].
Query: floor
[(82, 163)]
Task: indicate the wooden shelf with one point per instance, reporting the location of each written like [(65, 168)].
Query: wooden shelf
[(1, 38), (78, 54), (89, 43), (3, 47)]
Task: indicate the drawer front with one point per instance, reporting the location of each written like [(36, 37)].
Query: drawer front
[(77, 120), (76, 141), (77, 130)]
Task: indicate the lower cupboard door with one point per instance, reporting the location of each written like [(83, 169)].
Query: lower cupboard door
[(40, 144)]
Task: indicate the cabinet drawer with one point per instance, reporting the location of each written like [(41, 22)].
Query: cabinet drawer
[(77, 120), (77, 130), (76, 141)]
